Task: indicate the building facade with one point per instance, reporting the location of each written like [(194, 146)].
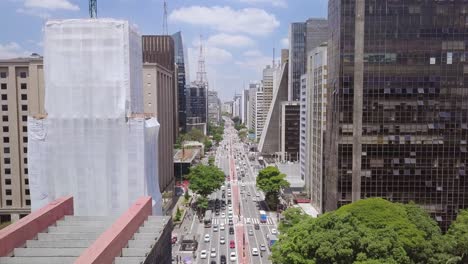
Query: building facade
[(254, 87), (181, 79), (197, 103), (22, 94), (290, 130), (245, 106), (263, 100), (397, 124), (214, 108), (303, 133)]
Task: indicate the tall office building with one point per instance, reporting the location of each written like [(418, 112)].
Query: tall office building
[(303, 37), (236, 106), (197, 106), (214, 108), (245, 106), (254, 87), (263, 100), (397, 124), (22, 94), (313, 124), (290, 130), (181, 77)]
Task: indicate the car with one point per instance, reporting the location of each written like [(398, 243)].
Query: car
[(232, 244), (274, 231), (215, 228), (229, 194), (231, 222), (248, 194), (243, 184), (223, 215), (221, 226), (231, 230), (230, 207), (250, 232), (253, 199), (229, 201), (257, 226), (222, 241), (232, 256), (213, 253), (262, 247), (222, 259), (203, 254), (254, 252), (258, 195), (230, 215), (213, 262), (248, 221), (207, 238)]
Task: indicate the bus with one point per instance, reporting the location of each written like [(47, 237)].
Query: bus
[(207, 219), (263, 216)]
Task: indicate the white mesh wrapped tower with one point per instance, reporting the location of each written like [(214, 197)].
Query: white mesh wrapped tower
[(94, 143)]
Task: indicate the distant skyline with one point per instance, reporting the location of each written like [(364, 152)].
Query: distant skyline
[(239, 35)]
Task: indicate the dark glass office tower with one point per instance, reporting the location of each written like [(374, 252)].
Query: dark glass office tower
[(181, 79), (398, 104)]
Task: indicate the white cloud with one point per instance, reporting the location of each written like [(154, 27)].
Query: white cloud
[(225, 19), (285, 42), (33, 12), (12, 50), (252, 53), (277, 3), (51, 4), (228, 40)]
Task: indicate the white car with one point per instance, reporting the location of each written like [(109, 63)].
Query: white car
[(221, 226), (222, 241), (243, 184), (248, 221), (258, 195), (207, 238), (230, 215), (233, 256), (215, 228), (213, 253), (203, 254), (223, 215), (254, 252), (229, 194), (274, 231)]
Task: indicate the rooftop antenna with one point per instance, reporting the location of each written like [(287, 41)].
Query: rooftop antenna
[(274, 63), (201, 73), (93, 8), (165, 27)]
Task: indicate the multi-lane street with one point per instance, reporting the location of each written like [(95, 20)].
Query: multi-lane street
[(235, 226)]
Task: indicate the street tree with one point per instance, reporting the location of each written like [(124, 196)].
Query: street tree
[(195, 134), (270, 180), (457, 237), (365, 232), (204, 180), (291, 217)]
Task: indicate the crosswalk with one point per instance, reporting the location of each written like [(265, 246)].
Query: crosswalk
[(244, 220)]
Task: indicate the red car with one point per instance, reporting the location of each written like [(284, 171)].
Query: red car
[(232, 244)]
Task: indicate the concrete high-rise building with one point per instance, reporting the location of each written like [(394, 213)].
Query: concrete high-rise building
[(397, 122), (214, 108), (227, 107), (284, 56), (197, 106), (158, 93), (181, 75), (313, 124), (303, 37), (22, 94), (236, 106), (263, 100), (290, 130), (95, 142), (245, 106), (254, 87)]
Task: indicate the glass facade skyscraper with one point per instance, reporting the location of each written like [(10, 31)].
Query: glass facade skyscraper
[(398, 104)]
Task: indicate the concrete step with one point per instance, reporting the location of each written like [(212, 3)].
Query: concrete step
[(150, 229), (66, 236), (147, 236), (141, 243), (81, 223), (130, 260), (157, 219), (37, 260), (135, 252), (82, 218), (76, 229), (47, 252), (69, 243)]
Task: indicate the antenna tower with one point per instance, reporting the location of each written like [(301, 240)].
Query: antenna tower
[(165, 28), (201, 73), (93, 8)]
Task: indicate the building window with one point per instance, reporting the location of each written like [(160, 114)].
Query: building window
[(7, 181), (4, 107), (22, 75), (24, 97), (24, 86), (7, 171), (28, 202), (25, 160), (5, 118), (24, 118), (25, 150), (25, 139), (5, 129), (24, 108), (3, 75), (3, 86), (4, 97), (25, 129), (6, 150), (6, 140), (26, 191), (8, 202), (6, 160), (8, 192), (25, 170)]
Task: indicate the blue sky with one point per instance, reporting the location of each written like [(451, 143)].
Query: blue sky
[(239, 35)]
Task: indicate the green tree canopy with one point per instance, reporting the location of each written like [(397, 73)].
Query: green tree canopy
[(195, 134), (291, 217), (204, 180), (457, 237), (270, 180), (208, 144), (368, 231)]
